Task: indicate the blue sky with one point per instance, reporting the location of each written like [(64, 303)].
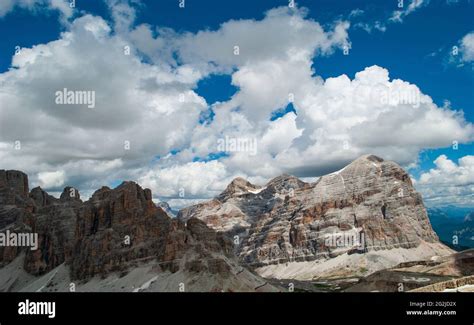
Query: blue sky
[(415, 48)]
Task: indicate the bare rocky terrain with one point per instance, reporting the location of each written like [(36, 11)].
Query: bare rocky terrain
[(118, 240), (363, 228), (361, 219), (448, 273)]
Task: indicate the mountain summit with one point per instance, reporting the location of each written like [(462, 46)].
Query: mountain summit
[(367, 216), (118, 240)]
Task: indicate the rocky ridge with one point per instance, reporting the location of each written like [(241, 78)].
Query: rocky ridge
[(114, 233), (370, 206)]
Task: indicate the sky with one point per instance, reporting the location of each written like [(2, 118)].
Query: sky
[(182, 97)]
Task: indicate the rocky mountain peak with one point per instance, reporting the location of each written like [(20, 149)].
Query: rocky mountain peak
[(372, 158), (70, 194), (375, 168), (370, 197), (238, 186), (14, 187), (101, 193), (133, 188), (284, 183), (41, 198), (114, 233), (366, 161), (15, 180), (166, 207)]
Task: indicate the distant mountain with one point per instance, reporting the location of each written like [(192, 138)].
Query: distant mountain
[(451, 222), (118, 240), (360, 219), (166, 207)]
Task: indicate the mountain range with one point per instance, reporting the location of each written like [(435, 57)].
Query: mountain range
[(284, 227), (454, 225), (342, 231), (118, 240)]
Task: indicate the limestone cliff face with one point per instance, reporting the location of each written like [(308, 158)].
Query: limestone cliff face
[(119, 228), (36, 212), (116, 227), (115, 231), (54, 222), (13, 187), (16, 209), (369, 205)]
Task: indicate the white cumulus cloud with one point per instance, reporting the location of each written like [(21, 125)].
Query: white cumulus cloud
[(449, 182), (51, 179), (467, 47), (141, 110), (145, 125)]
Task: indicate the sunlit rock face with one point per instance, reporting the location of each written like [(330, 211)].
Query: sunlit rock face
[(369, 205)]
